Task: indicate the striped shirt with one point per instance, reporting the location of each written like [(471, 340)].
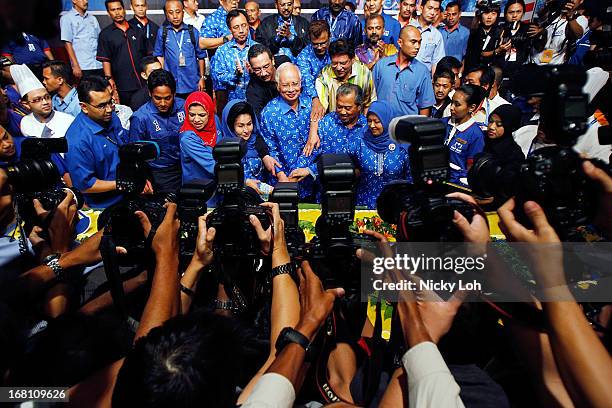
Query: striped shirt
[(327, 85)]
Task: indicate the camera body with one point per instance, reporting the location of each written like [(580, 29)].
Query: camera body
[(486, 6), (332, 251), (133, 170), (421, 211), (235, 237), (286, 195), (35, 176), (192, 200)]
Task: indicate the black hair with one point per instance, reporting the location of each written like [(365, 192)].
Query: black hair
[(449, 62), (453, 4), (443, 72), (511, 2), (372, 17), (161, 77), (475, 94), (71, 348), (232, 14), (317, 28), (107, 2), (189, 361), (424, 2), (146, 61), (342, 47), (257, 49), (238, 109), (59, 69), (90, 84), (487, 75)]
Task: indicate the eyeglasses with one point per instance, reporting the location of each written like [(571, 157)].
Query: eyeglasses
[(47, 98), (319, 44), (103, 105)]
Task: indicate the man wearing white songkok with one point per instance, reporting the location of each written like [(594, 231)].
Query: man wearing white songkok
[(43, 121)]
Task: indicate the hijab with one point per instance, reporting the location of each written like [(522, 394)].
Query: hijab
[(379, 144), (209, 133), (504, 147), (230, 113)]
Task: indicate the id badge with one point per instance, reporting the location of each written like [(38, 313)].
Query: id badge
[(182, 62), (546, 56)]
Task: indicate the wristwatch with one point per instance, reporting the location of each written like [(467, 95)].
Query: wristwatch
[(52, 261), (287, 268), (224, 305), (225, 39), (290, 335)]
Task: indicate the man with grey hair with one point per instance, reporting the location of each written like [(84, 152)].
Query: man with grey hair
[(285, 125)]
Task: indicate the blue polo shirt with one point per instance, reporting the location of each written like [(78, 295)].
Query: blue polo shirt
[(177, 42), (82, 32), (392, 29), (346, 25), (464, 142), (148, 123), (93, 154), (455, 41), (70, 104), (407, 90), (31, 51)]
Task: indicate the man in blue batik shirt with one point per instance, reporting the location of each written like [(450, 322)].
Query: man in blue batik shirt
[(214, 30), (342, 23), (160, 120), (285, 124), (312, 60), (229, 70), (94, 139), (337, 129), (178, 51)]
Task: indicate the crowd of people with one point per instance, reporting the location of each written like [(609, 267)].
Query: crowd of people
[(289, 89)]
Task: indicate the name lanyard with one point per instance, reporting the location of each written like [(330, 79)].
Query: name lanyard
[(333, 25), (180, 43), (148, 27)]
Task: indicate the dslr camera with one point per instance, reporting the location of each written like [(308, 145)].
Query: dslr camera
[(235, 236), (332, 250), (36, 176), (121, 224), (421, 210), (286, 195)]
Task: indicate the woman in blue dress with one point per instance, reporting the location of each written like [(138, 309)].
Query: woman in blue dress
[(239, 121), (378, 158)]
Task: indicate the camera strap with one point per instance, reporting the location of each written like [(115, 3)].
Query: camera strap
[(108, 250)]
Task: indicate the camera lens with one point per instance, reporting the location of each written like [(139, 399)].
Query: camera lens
[(483, 176), (30, 176)]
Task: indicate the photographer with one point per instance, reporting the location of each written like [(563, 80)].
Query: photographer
[(485, 38), (514, 30), (582, 361), (562, 26)]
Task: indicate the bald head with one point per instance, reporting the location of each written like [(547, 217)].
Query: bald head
[(409, 42)]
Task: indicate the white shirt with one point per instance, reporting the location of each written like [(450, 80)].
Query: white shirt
[(271, 391), (588, 144), (555, 41), (196, 21), (430, 382), (58, 125), (489, 105)]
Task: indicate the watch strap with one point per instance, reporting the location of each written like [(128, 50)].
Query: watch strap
[(283, 269), (52, 261), (224, 305), (290, 335)]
